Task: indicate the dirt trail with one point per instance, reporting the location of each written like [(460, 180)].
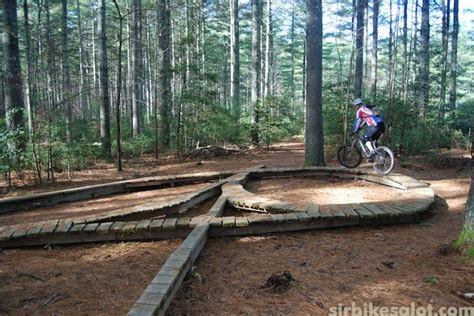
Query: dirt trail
[(98, 206), (86, 279), (386, 265)]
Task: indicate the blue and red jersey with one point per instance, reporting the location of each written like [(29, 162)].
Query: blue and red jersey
[(364, 114)]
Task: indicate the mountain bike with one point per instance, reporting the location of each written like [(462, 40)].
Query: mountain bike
[(350, 155)]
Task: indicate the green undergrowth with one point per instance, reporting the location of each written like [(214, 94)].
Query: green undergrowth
[(465, 243)]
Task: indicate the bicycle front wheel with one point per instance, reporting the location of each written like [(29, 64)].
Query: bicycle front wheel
[(349, 156), (383, 160)]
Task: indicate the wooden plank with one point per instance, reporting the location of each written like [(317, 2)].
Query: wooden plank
[(49, 227), (143, 225), (63, 227), (129, 227), (104, 227), (169, 224), (362, 211), (326, 213), (77, 228), (35, 230), (228, 221), (183, 222), (338, 212), (241, 221), (349, 211), (302, 216), (117, 227), (90, 228), (156, 224), (378, 212)]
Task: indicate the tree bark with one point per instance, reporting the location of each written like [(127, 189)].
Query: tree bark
[(375, 35), (83, 86), (406, 63), (292, 57), (234, 57), (30, 88), (14, 103), (359, 67), (314, 138), (454, 56), (166, 97), (256, 67), (268, 52), (424, 76), (445, 7), (137, 67), (66, 82), (119, 90), (104, 83)]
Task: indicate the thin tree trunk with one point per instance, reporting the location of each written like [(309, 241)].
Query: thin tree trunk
[(137, 68), (104, 83), (292, 57), (423, 84), (444, 56), (454, 56), (165, 71), (234, 57), (14, 105), (268, 51), (375, 34), (30, 89), (256, 67), (66, 83), (406, 64), (119, 90), (305, 54), (390, 36), (359, 68), (50, 74), (83, 86), (314, 142)]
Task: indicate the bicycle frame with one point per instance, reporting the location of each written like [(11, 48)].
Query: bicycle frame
[(363, 147)]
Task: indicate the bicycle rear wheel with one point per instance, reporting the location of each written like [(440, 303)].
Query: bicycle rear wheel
[(383, 160), (349, 156)]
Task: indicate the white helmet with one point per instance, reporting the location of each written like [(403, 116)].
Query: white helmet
[(357, 101)]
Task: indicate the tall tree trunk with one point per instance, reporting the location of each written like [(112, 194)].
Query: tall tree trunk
[(50, 98), (406, 63), (454, 56), (268, 52), (256, 67), (390, 36), (234, 57), (166, 96), (375, 35), (292, 57), (30, 88), (305, 54), (14, 104), (66, 83), (104, 83), (359, 68), (83, 86), (444, 56), (119, 90), (137, 67), (314, 138), (424, 76)]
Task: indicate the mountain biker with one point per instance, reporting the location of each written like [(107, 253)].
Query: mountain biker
[(371, 117)]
